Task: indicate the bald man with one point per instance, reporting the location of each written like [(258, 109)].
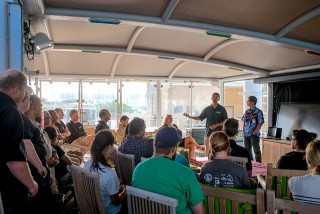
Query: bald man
[(16, 180)]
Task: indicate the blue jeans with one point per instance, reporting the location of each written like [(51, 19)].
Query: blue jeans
[(253, 141)]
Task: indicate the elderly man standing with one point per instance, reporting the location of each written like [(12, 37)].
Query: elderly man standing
[(252, 122), (215, 114), (16, 180), (162, 175)]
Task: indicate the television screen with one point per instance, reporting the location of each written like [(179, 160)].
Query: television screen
[(298, 116)]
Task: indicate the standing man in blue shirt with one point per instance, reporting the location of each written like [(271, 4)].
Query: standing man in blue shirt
[(252, 122), (215, 114)]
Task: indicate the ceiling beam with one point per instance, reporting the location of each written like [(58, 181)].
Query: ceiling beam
[(180, 65), (298, 21), (71, 77), (182, 57), (140, 20), (169, 9), (286, 78), (291, 70), (219, 47), (239, 77), (134, 38), (115, 65), (45, 62)]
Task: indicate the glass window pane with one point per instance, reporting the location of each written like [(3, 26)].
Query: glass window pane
[(97, 96), (175, 100), (201, 98), (139, 99), (62, 95)]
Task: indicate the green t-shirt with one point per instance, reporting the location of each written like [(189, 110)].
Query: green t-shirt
[(169, 178)]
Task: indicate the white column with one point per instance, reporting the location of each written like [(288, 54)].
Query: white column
[(3, 35), (158, 103), (15, 36)]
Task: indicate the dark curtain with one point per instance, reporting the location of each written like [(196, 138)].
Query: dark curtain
[(301, 92)]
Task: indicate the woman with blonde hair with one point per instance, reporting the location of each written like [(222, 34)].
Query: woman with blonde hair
[(187, 142), (303, 187), (219, 171)]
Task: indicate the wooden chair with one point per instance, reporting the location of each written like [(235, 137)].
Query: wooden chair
[(1, 205), (227, 200), (239, 160), (142, 201), (143, 159), (277, 180), (86, 187), (287, 206), (89, 129), (115, 160), (124, 164)]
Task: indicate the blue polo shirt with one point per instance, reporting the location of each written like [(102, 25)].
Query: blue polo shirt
[(213, 116)]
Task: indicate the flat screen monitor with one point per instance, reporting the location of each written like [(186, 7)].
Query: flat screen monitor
[(298, 116)]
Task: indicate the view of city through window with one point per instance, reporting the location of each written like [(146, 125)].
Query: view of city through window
[(139, 99)]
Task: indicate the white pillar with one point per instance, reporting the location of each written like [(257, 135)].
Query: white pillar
[(15, 36), (3, 35), (158, 103)]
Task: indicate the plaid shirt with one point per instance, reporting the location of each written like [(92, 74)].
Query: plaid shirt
[(139, 147)]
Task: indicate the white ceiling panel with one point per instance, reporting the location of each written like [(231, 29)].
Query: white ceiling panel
[(81, 32), (78, 63)]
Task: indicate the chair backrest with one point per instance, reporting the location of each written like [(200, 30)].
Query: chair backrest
[(142, 201), (143, 159), (1, 205), (125, 164), (86, 187), (223, 200), (89, 129), (115, 160), (288, 206), (239, 160), (277, 180)]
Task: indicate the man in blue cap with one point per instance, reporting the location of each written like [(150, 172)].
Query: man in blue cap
[(162, 175)]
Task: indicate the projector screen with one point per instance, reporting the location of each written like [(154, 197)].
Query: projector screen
[(298, 116)]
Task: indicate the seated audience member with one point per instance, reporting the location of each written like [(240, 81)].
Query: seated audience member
[(112, 193), (296, 159), (124, 120), (135, 143), (162, 175), (74, 151), (221, 172), (63, 130), (62, 174), (304, 188), (104, 115), (78, 134), (186, 142), (231, 127)]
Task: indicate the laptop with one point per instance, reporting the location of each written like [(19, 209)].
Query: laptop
[(274, 133)]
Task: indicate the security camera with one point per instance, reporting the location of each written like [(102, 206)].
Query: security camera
[(32, 73)]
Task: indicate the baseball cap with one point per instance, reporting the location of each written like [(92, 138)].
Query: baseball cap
[(167, 137)]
